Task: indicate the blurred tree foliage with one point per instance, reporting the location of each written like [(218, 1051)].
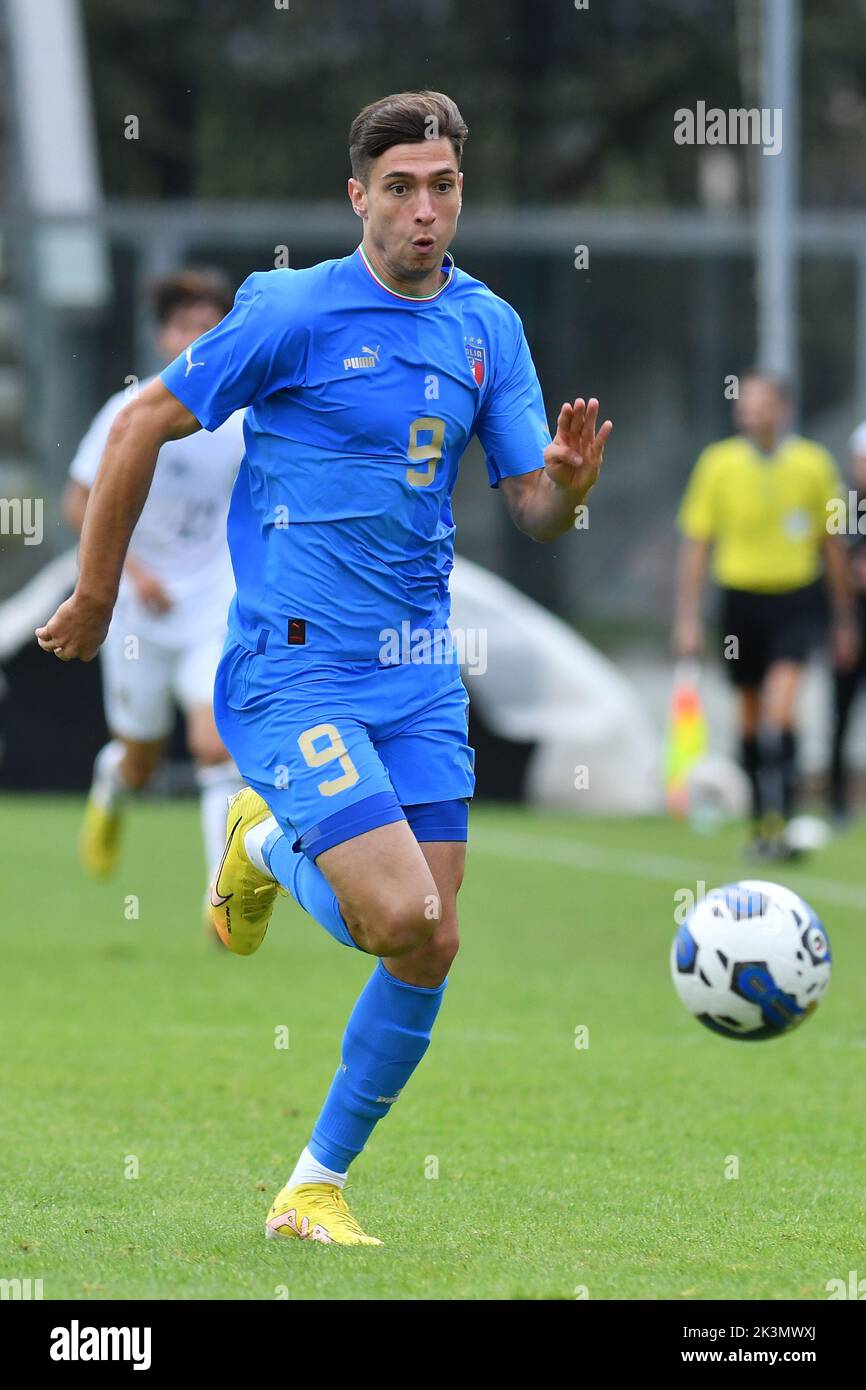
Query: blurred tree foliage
[(248, 99)]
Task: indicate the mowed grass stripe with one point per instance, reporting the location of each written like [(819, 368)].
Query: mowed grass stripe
[(573, 854), (557, 1167)]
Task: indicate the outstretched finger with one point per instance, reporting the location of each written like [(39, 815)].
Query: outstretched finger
[(563, 423), (577, 418), (603, 434), (588, 433)]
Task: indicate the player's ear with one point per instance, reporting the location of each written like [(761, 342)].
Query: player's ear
[(357, 197)]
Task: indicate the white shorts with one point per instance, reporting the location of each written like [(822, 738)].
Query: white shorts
[(143, 680)]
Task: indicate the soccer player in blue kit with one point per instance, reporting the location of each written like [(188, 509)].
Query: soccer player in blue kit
[(363, 380)]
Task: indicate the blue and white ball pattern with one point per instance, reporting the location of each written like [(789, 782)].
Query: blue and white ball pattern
[(751, 960)]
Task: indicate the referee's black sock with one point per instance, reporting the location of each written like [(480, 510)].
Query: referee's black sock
[(771, 774), (750, 756), (789, 772)]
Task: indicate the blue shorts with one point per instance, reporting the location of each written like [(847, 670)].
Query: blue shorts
[(338, 748)]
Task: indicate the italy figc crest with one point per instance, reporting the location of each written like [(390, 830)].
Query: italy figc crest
[(476, 356)]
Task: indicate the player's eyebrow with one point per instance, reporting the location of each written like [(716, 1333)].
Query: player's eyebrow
[(437, 174)]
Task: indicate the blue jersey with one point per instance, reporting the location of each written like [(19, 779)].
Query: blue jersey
[(360, 402)]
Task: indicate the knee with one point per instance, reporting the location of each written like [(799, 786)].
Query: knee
[(398, 925), (139, 766), (440, 950)]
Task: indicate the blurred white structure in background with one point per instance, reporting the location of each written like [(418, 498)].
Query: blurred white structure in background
[(718, 791), (596, 749), (59, 165), (34, 603)]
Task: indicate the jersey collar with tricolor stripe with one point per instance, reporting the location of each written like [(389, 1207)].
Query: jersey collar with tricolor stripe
[(411, 298)]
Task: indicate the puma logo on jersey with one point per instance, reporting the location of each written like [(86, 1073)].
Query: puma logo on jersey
[(189, 362), (371, 359)]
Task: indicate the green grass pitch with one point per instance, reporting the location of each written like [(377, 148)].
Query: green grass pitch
[(560, 1169)]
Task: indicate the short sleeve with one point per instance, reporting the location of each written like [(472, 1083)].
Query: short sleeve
[(697, 518), (258, 348), (512, 423), (85, 464)]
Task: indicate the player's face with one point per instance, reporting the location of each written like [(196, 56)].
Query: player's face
[(410, 206), (761, 413), (185, 325)]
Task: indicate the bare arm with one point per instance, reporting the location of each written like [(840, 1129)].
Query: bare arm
[(539, 508), (846, 640), (542, 504), (120, 488), (838, 577), (149, 589), (692, 565), (74, 504)]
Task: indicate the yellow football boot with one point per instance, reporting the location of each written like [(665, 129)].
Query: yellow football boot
[(100, 839), (315, 1211), (242, 897), (207, 926)]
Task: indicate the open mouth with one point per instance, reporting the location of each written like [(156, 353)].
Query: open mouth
[(425, 243)]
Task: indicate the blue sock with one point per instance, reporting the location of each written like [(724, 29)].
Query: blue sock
[(307, 885), (386, 1037)]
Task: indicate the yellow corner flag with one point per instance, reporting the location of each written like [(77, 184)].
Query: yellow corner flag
[(687, 736)]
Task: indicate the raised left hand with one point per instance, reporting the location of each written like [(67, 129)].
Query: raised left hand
[(573, 459)]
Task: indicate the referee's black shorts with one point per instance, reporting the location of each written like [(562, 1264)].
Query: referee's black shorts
[(769, 628)]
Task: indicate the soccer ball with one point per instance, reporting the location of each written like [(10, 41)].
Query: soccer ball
[(807, 833), (751, 960)]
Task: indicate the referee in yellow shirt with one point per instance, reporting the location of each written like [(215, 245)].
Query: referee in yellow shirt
[(758, 504)]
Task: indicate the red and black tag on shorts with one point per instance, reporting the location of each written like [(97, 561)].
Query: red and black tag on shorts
[(297, 632)]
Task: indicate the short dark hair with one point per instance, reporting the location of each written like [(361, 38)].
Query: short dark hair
[(405, 118), (781, 385), (191, 285)]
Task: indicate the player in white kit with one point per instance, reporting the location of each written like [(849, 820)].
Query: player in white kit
[(169, 625)]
